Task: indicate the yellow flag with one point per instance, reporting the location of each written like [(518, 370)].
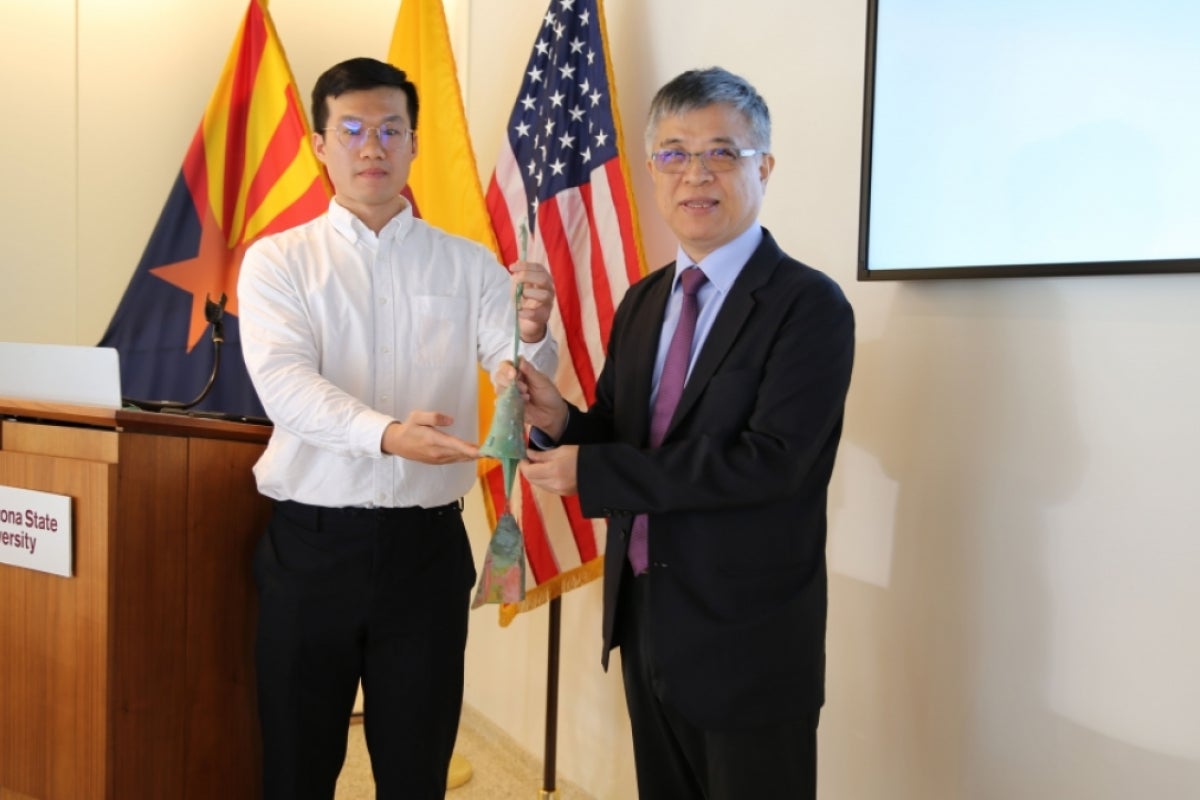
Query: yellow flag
[(444, 178)]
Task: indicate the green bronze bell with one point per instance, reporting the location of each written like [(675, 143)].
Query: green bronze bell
[(506, 437), (502, 579)]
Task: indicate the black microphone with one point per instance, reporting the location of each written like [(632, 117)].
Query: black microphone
[(213, 312)]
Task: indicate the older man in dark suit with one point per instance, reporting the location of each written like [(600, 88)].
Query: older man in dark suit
[(710, 447)]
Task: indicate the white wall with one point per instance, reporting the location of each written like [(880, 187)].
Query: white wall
[(1014, 524)]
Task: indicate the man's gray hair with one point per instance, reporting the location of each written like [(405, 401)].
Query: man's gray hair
[(700, 88)]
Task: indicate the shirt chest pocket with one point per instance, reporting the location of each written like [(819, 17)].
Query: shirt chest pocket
[(441, 331)]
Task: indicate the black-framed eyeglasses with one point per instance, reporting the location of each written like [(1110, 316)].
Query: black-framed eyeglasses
[(353, 136), (716, 159)]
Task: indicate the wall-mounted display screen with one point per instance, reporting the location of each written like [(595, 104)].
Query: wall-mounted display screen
[(1030, 137)]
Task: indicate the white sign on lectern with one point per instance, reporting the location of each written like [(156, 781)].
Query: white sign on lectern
[(89, 376), (35, 530)]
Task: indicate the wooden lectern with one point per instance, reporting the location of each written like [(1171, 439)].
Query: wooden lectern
[(134, 678)]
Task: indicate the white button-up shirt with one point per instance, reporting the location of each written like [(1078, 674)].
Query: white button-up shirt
[(344, 332)]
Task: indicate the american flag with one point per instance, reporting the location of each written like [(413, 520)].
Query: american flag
[(561, 175)]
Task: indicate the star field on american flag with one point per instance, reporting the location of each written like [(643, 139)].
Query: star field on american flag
[(561, 127)]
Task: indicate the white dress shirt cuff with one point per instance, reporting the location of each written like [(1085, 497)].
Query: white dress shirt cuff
[(543, 354), (366, 434)]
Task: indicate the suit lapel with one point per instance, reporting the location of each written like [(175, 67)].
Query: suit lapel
[(735, 311)]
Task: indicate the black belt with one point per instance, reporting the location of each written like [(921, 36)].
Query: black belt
[(318, 516)]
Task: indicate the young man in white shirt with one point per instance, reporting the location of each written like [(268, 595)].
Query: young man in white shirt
[(363, 332)]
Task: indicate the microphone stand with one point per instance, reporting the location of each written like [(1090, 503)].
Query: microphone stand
[(213, 312)]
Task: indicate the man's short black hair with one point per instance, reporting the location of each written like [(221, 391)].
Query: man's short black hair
[(355, 75)]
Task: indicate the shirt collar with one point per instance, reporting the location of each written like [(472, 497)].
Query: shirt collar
[(723, 265), (348, 224)]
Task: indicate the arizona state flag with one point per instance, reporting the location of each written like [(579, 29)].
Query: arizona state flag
[(250, 171)]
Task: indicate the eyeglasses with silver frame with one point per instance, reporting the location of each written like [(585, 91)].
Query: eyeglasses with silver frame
[(716, 159), (353, 136)]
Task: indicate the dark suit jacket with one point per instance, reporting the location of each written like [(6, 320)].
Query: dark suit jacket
[(736, 493)]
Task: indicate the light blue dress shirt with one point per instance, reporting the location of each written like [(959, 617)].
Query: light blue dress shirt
[(722, 266)]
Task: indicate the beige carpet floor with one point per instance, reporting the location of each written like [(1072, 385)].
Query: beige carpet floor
[(500, 768)]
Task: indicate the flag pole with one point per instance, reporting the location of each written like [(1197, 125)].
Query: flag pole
[(549, 785)]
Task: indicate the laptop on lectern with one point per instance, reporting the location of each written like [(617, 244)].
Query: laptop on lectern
[(75, 374)]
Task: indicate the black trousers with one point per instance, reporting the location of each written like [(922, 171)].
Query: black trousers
[(379, 595), (677, 760)]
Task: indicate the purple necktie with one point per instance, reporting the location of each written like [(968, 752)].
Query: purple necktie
[(670, 389)]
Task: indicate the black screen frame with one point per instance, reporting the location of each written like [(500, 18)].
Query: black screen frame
[(1048, 269)]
